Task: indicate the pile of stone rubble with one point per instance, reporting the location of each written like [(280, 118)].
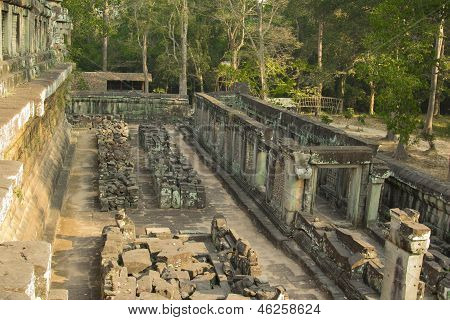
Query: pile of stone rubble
[(175, 181), (117, 182), (240, 263), (163, 266)]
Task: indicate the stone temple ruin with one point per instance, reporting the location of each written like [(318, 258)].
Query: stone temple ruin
[(163, 266), (115, 194)]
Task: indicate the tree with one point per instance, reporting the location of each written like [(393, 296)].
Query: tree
[(268, 30), (400, 38), (428, 129), (367, 70), (399, 102), (233, 14), (141, 14), (184, 24), (105, 36)]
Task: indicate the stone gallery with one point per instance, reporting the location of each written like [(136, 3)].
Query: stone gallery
[(116, 194)]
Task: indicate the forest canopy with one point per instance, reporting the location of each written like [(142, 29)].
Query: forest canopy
[(384, 57)]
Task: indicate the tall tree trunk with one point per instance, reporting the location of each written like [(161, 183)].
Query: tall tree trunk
[(401, 153), (105, 38), (320, 53), (184, 31), (202, 83), (372, 98), (234, 59), (437, 106), (434, 79), (261, 54), (144, 63), (342, 82)]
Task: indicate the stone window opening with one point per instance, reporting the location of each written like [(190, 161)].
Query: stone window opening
[(16, 34), (5, 44), (36, 35)]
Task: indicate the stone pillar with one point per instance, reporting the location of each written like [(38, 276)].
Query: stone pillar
[(353, 196), (310, 185), (293, 191), (378, 173), (261, 168), (404, 250)]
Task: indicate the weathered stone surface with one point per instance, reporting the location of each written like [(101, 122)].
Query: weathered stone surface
[(167, 290), (175, 256), (176, 183), (137, 260), (404, 251), (127, 290), (17, 279), (58, 294), (38, 254), (151, 296), (160, 233)]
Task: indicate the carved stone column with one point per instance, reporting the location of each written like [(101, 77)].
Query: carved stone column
[(404, 250), (378, 174)]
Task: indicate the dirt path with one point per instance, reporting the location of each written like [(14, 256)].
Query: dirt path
[(76, 259), (435, 164)]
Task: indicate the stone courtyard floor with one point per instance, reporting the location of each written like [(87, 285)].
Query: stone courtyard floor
[(76, 264)]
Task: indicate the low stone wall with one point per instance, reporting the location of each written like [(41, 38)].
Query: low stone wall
[(131, 106), (409, 188)]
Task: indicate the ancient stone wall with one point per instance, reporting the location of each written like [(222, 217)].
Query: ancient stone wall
[(280, 172), (40, 147), (408, 188), (131, 106), (33, 38)]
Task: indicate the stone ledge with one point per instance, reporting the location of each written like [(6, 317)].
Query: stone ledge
[(28, 101), (11, 175)]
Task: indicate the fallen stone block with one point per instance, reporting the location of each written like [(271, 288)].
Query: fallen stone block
[(137, 260), (166, 289), (160, 233)]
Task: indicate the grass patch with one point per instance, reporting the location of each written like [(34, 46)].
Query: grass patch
[(441, 126)]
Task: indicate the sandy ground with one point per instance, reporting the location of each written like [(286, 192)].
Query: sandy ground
[(435, 164)]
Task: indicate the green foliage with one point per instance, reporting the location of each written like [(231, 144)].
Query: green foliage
[(381, 44), (325, 118), (362, 119), (349, 113), (159, 90)]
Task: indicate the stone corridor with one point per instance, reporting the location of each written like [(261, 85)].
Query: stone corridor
[(78, 243)]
